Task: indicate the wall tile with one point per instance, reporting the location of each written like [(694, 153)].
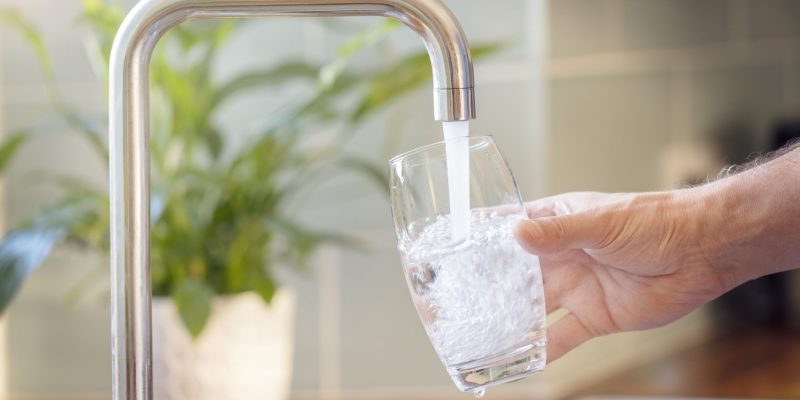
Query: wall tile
[(576, 27), (58, 30), (306, 328), (650, 24), (506, 110), (773, 18), (80, 348), (501, 21), (606, 132), (45, 156), (745, 100)]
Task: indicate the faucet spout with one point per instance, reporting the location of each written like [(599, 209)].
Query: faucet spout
[(129, 138)]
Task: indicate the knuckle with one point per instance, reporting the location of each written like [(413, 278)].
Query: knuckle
[(558, 228)]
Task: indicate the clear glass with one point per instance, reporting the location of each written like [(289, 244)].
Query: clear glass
[(479, 296)]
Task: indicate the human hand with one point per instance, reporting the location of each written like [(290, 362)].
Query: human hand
[(621, 262)]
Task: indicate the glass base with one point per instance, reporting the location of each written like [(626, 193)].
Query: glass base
[(509, 366)]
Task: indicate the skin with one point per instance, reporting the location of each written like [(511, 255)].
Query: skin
[(623, 262)]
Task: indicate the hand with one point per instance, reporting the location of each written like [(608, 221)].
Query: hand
[(621, 262)]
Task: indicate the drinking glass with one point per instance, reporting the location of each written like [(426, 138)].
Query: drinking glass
[(478, 293)]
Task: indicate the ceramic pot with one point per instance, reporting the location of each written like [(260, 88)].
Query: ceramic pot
[(244, 352)]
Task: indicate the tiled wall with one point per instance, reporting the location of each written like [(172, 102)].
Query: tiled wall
[(630, 77)]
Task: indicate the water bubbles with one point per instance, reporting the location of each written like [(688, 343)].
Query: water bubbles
[(483, 291), (479, 393)]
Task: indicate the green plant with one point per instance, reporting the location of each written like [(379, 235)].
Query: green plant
[(221, 213)]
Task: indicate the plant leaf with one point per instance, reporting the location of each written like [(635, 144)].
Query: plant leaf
[(288, 70), (34, 38), (193, 300), (262, 283), (21, 252), (376, 174), (24, 249), (367, 38), (214, 142), (92, 131), (10, 147), (104, 20), (75, 186), (31, 35), (302, 242)]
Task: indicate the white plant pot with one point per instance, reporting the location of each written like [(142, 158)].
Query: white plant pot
[(243, 353)]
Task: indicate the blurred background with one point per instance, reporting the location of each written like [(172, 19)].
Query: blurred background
[(605, 95)]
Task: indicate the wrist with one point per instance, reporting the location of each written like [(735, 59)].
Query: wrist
[(725, 227)]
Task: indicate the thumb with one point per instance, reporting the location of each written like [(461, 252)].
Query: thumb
[(554, 234)]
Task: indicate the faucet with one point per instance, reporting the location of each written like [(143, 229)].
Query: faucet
[(131, 295)]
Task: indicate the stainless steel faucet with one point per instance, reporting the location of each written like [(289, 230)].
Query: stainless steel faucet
[(129, 136)]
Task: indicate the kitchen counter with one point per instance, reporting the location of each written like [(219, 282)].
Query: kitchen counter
[(762, 363)]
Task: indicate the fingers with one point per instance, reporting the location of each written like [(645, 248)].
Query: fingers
[(561, 222), (564, 335), (551, 304), (561, 275), (566, 203), (544, 207), (550, 235), (557, 280)]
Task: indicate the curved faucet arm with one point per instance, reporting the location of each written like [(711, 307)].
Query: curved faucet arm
[(129, 138), (433, 22)]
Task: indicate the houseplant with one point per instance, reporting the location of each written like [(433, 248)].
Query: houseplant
[(221, 213)]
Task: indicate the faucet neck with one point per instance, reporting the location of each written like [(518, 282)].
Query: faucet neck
[(433, 22), (129, 136)]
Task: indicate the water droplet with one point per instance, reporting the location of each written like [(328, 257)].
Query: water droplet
[(479, 393)]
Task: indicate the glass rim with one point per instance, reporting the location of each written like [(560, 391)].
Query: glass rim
[(430, 146)]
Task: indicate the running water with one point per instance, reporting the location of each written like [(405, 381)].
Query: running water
[(457, 152), (479, 393)]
